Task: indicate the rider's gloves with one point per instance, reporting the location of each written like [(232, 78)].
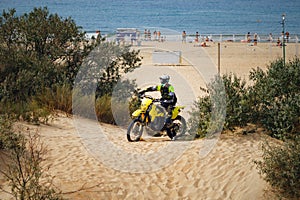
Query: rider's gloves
[(142, 92), (165, 101), (149, 89)]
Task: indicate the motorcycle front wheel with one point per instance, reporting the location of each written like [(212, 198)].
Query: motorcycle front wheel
[(135, 131)]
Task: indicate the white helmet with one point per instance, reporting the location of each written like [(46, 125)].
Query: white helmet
[(164, 79)]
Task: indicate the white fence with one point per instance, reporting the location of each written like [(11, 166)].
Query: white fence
[(176, 36), (230, 37)]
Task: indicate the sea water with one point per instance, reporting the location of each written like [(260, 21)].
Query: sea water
[(204, 16)]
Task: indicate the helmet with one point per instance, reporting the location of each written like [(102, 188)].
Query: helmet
[(164, 79)]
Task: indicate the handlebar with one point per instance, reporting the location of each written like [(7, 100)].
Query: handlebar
[(149, 97)]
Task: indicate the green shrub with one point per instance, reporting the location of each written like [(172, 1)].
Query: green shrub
[(280, 167), (103, 109), (275, 97), (59, 97), (273, 101), (83, 105), (30, 111), (102, 70), (24, 171), (22, 164), (227, 95), (40, 57), (118, 115), (8, 139), (134, 104), (238, 105), (208, 113), (200, 117), (281, 116), (29, 60)]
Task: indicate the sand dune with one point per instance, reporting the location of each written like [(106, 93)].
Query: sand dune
[(227, 172)]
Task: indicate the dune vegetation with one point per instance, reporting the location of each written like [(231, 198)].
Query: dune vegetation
[(40, 56)]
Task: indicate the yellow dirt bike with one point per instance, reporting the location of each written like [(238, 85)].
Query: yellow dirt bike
[(152, 115)]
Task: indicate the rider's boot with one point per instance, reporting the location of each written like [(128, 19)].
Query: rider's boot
[(168, 122), (170, 134), (157, 134)]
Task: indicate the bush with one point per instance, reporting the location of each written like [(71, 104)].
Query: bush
[(102, 70), (208, 114), (275, 97), (24, 172), (273, 101), (29, 58), (200, 117), (238, 105), (22, 164), (30, 111), (228, 94), (103, 109), (31, 47), (8, 139), (58, 97), (280, 167), (40, 57)]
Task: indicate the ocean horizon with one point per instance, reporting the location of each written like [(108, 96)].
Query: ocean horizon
[(204, 16)]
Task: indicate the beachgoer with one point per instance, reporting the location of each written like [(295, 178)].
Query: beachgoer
[(149, 34), (155, 35), (197, 37), (158, 36), (287, 36), (146, 34), (279, 42), (168, 97), (99, 36), (255, 39), (138, 38), (183, 37), (270, 37), (248, 37)]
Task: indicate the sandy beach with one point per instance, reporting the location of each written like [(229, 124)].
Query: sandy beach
[(226, 171), (240, 58)]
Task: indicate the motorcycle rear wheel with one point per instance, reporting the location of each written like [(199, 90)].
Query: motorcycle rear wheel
[(179, 127), (135, 131)]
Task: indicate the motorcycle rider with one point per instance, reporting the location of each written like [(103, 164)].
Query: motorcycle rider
[(168, 96)]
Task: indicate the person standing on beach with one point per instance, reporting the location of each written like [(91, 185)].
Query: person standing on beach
[(183, 37), (155, 35), (255, 39), (248, 38), (279, 42), (270, 37), (146, 34), (197, 37), (158, 36), (287, 36), (149, 35)]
